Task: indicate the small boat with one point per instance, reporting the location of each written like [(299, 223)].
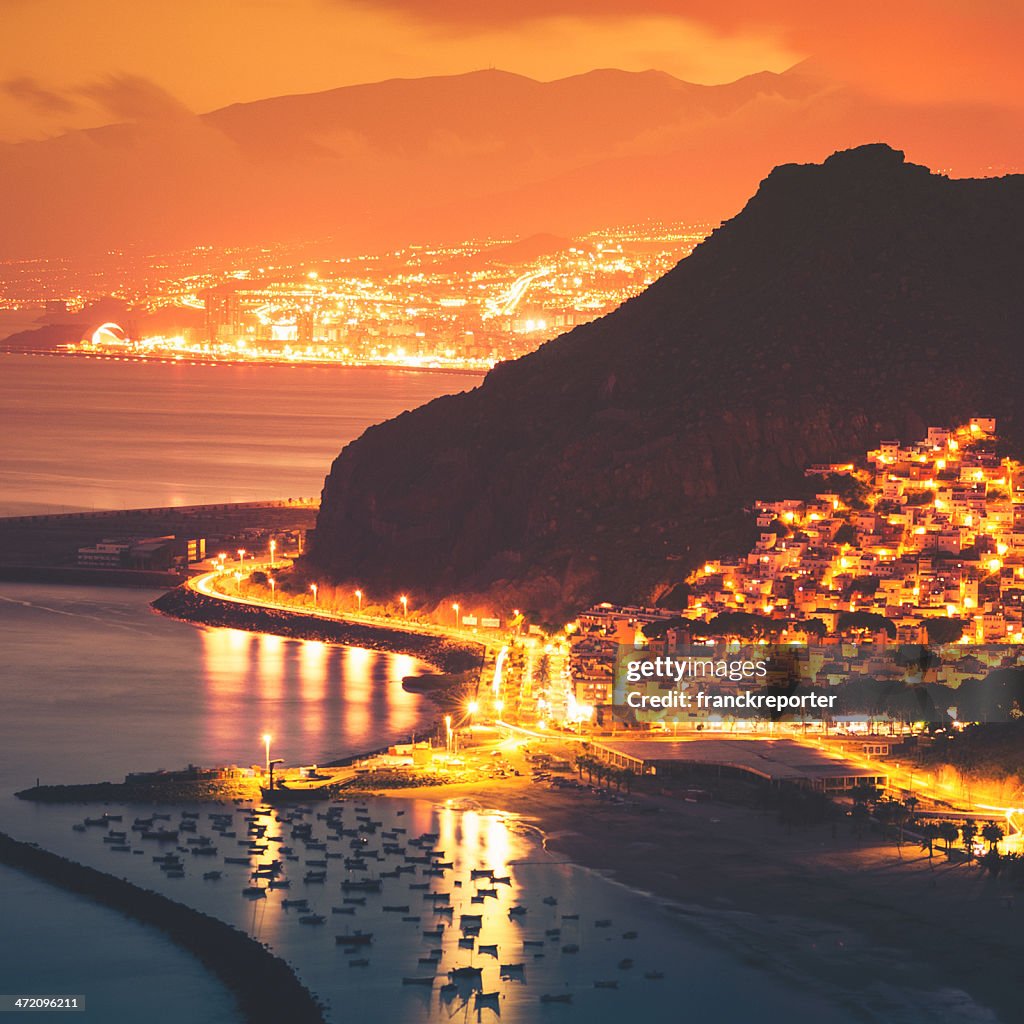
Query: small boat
[(606, 984), (570, 947), (419, 885), (562, 997), (476, 899), (464, 973), (434, 933), (472, 920), (533, 942), (481, 873), (174, 873), (315, 877), (236, 860), (343, 910), (486, 999), (312, 919), (625, 964), (412, 917), (361, 962), (363, 885), (489, 949), (100, 822), (211, 876), (629, 935), (512, 968), (550, 901), (501, 879), (654, 975), (493, 893), (354, 939), (516, 911), (448, 990), (395, 910), (280, 883), (429, 959), (468, 943), (552, 933), (354, 901), (254, 892), (428, 982), (570, 917), (79, 827), (299, 904), (605, 922)]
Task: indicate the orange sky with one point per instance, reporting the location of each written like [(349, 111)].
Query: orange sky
[(76, 63)]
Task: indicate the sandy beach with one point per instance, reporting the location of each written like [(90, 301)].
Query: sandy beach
[(800, 900)]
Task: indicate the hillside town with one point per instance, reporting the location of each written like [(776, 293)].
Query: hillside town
[(920, 543)]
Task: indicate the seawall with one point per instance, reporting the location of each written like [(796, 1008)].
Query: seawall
[(264, 986), (445, 655)]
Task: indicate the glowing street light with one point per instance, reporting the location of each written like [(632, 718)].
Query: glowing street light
[(241, 557), (273, 587), (359, 598), (405, 605), (266, 742), (455, 608), (314, 588), (273, 548), (499, 706), (448, 733)]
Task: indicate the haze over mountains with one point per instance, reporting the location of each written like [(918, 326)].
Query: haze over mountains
[(851, 301), (461, 156)]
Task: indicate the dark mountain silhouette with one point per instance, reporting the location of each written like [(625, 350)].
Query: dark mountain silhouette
[(464, 156), (857, 299)]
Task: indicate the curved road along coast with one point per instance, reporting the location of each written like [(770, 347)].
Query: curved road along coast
[(264, 986), (445, 654)]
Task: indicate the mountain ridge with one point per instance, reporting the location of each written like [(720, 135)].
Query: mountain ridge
[(451, 157)]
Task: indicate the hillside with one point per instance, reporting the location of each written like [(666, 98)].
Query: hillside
[(861, 298)]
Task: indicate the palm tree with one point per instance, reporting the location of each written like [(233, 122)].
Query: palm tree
[(992, 833), (929, 833), (949, 833), (968, 830)]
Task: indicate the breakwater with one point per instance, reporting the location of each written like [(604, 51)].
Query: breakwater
[(445, 655), (266, 989)]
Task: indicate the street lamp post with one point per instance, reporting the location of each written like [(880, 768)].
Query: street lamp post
[(273, 588), (266, 743), (359, 598), (273, 548), (448, 733), (241, 557), (314, 588), (405, 606), (455, 608)]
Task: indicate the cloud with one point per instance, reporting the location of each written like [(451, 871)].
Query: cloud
[(134, 98), (28, 91)]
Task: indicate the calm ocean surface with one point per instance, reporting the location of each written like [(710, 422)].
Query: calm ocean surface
[(95, 433), (93, 684)]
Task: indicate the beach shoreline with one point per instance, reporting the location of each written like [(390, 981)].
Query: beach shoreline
[(745, 881)]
